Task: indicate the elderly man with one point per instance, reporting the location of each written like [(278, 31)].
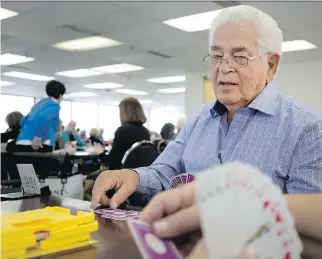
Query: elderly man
[(251, 121)]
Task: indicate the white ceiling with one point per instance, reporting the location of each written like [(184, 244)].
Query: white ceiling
[(139, 26)]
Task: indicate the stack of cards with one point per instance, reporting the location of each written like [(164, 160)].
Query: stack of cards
[(182, 179), (150, 246), (240, 206), (117, 214)]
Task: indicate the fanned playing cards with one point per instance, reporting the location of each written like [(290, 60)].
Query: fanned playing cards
[(240, 206), (182, 179)]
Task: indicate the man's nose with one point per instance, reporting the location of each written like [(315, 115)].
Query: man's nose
[(224, 67)]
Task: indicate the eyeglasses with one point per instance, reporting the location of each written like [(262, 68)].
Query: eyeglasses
[(232, 61)]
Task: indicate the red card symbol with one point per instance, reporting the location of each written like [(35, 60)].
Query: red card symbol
[(287, 243), (266, 204), (281, 232), (287, 255), (278, 218)]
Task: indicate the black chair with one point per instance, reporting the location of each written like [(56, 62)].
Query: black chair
[(45, 165), (142, 153), (4, 166), (162, 144)]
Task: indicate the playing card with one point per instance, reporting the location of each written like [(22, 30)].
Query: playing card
[(117, 214), (191, 178), (178, 179), (174, 182), (150, 246), (184, 178), (248, 209)]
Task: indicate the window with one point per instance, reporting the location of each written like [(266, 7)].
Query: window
[(65, 113), (109, 120), (85, 115), (10, 103), (158, 118)]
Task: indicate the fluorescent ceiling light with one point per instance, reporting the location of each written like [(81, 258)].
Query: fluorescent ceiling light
[(146, 102), (168, 79), (5, 83), (8, 59), (130, 92), (85, 44), (103, 86), (195, 22), (118, 68), (172, 90), (28, 76), (4, 13), (80, 94), (296, 45), (79, 73)]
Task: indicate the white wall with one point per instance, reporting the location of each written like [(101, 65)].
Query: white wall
[(303, 82)]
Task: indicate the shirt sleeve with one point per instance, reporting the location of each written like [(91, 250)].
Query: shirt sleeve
[(157, 177), (305, 174)]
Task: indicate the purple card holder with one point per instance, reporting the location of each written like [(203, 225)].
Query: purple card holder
[(150, 246)]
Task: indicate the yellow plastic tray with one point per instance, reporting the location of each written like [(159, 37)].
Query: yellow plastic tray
[(66, 231)]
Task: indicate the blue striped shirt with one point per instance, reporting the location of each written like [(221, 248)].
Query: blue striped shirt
[(274, 133)]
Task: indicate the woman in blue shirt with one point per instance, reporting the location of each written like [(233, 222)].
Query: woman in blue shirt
[(39, 127), (70, 136)]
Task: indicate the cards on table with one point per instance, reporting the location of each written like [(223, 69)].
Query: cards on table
[(240, 206), (117, 214), (182, 179), (150, 246)]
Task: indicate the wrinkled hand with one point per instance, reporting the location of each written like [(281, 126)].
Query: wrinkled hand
[(174, 212), (200, 252), (124, 182), (36, 143)]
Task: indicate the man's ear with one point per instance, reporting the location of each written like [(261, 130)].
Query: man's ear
[(273, 60)]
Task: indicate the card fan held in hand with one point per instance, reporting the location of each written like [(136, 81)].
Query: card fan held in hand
[(239, 207)]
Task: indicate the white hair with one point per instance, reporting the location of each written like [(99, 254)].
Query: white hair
[(270, 36)]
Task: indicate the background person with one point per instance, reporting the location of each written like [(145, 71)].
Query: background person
[(70, 136), (40, 125), (13, 120)]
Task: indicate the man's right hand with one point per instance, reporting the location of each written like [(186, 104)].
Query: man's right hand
[(124, 182)]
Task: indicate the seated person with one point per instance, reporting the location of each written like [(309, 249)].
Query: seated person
[(100, 136), (167, 132), (94, 138), (82, 135), (251, 121), (132, 118), (12, 133), (70, 136), (42, 122)]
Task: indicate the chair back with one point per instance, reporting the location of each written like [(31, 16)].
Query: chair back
[(162, 144), (141, 154), (45, 164)]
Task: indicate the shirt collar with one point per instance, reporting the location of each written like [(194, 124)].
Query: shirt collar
[(55, 100), (265, 102)]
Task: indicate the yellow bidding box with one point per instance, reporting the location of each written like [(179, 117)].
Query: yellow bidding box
[(38, 232)]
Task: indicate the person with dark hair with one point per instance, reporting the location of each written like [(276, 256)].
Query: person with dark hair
[(39, 127), (13, 131), (132, 118), (167, 131)]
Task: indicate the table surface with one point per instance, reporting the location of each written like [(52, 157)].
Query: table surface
[(114, 238)]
